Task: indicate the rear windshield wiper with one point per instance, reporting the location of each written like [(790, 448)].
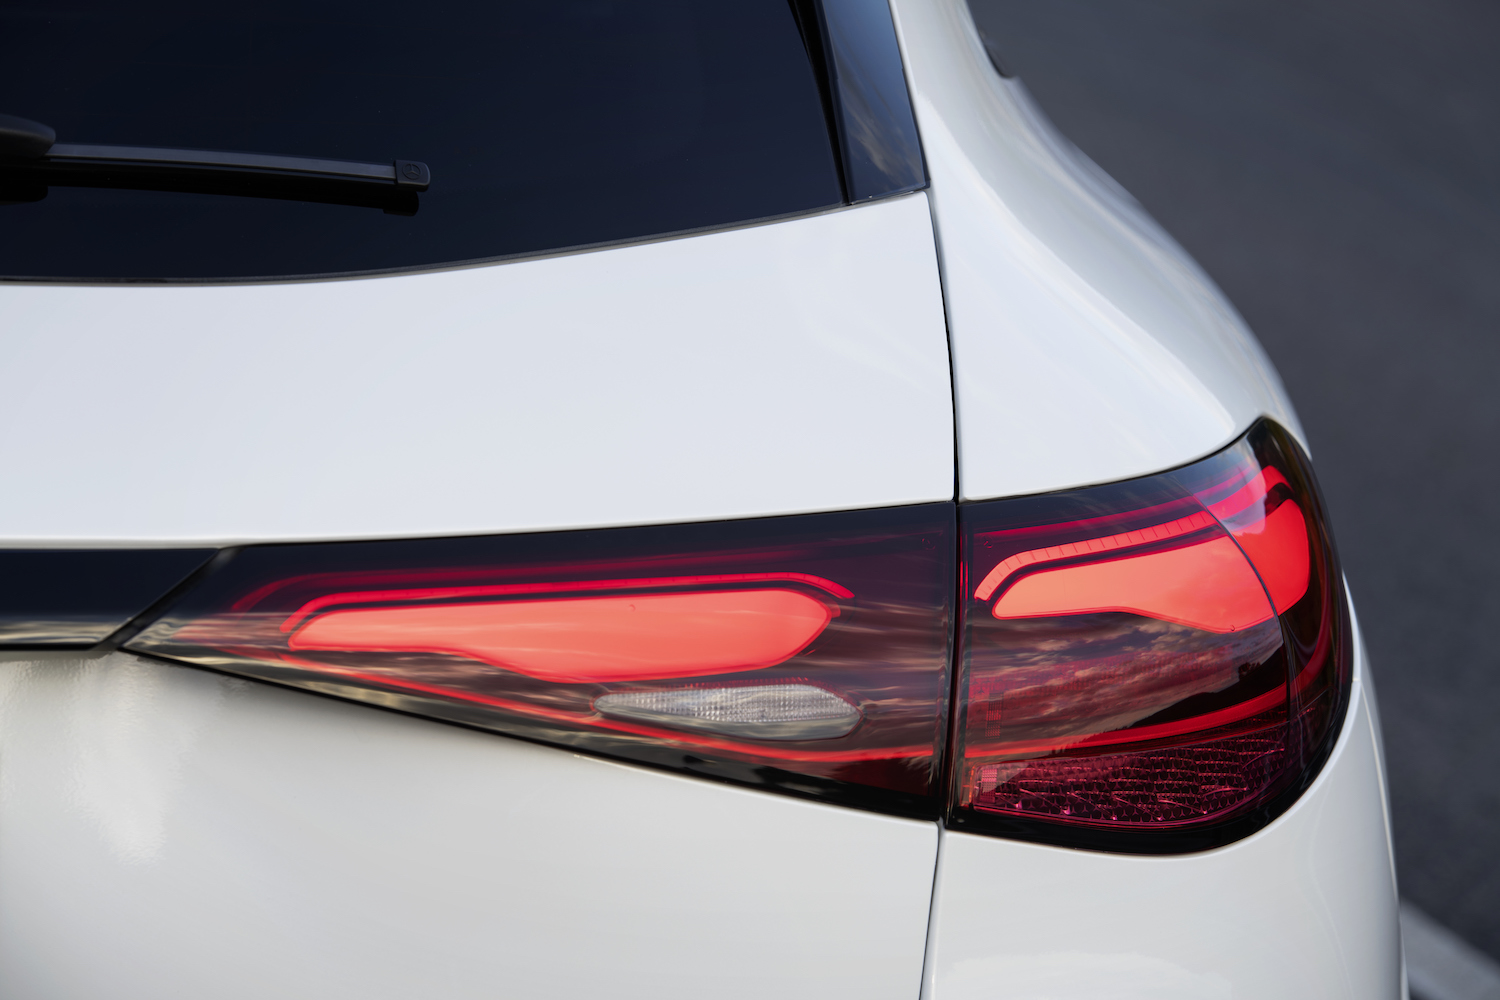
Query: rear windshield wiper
[(31, 159)]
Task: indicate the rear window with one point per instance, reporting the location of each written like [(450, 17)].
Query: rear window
[(543, 125)]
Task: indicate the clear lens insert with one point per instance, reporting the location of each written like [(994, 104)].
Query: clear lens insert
[(785, 711)]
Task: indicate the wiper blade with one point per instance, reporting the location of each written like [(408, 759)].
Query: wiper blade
[(401, 173), (30, 155)]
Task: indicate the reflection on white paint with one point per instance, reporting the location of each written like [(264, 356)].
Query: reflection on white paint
[(129, 732), (169, 834), (119, 742)]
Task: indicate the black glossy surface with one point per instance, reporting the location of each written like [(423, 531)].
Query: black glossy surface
[(24, 138), (1336, 167), (878, 140), (77, 597), (545, 126)]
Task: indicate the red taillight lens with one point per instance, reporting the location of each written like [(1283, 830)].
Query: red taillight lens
[(1152, 665), (808, 654)]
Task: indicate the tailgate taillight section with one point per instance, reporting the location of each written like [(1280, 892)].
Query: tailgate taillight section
[(1151, 666), (807, 654)]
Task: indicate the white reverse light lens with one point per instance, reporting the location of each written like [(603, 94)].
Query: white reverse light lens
[(756, 711)]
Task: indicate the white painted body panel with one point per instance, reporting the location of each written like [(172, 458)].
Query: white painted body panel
[(773, 369), (1087, 346), (170, 833), (1305, 909), (164, 824)]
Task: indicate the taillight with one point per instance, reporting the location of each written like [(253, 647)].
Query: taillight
[(1152, 666), (1156, 665), (808, 654)]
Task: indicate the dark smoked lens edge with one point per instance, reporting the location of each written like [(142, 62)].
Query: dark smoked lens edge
[(75, 599), (217, 561)]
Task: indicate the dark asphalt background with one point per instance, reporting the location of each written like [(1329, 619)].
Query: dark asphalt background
[(1335, 165)]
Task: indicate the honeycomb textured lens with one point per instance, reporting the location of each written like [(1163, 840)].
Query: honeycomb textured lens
[(1173, 785)]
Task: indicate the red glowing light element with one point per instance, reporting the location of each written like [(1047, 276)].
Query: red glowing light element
[(1274, 537), (1126, 539), (587, 639), (1207, 586), (325, 601)]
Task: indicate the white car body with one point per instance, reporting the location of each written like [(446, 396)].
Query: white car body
[(1019, 327)]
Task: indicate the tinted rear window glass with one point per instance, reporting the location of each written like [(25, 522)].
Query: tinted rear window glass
[(545, 125)]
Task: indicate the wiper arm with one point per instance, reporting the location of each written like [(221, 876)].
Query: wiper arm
[(30, 154)]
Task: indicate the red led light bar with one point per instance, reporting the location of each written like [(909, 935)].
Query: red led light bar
[(1206, 584), (561, 588), (1271, 530), (588, 639)]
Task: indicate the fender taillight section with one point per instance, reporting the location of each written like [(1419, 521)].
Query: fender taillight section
[(1152, 666), (807, 654)]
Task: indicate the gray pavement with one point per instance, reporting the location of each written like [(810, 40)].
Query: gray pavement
[(1335, 165), (1440, 966)]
